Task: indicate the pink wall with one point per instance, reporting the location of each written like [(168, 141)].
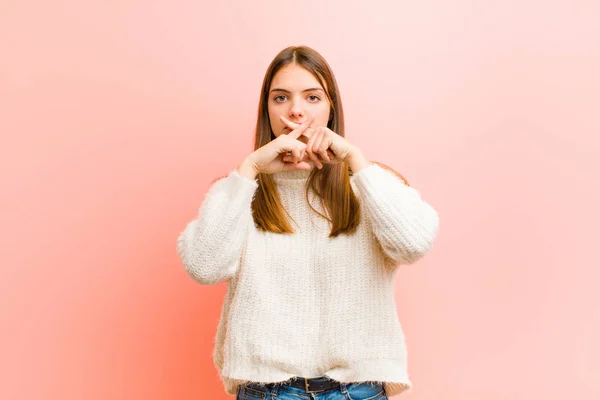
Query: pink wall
[(115, 117)]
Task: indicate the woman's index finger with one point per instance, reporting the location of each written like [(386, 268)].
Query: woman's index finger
[(299, 130), (288, 123)]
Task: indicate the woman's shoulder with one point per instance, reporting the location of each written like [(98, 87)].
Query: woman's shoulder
[(390, 169)]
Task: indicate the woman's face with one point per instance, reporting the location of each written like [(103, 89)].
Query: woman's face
[(297, 95)]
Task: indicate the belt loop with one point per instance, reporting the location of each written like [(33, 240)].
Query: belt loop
[(343, 388), (275, 390)]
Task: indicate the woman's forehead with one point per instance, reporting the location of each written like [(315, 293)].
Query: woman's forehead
[(294, 78)]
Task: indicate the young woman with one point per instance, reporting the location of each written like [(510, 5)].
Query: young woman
[(308, 234)]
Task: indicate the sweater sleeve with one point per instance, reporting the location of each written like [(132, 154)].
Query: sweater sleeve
[(211, 245), (403, 223)]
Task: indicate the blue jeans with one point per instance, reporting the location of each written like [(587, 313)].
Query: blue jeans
[(279, 391)]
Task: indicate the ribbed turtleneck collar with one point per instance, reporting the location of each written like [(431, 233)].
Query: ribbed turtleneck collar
[(293, 177)]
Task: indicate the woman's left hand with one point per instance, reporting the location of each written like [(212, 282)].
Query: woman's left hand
[(323, 145)]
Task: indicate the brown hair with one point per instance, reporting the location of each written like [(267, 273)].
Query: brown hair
[(331, 183)]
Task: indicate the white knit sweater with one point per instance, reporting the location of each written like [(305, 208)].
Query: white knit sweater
[(304, 304)]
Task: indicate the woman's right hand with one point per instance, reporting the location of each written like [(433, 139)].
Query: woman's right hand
[(269, 158)]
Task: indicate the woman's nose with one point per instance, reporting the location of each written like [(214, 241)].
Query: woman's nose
[(296, 111)]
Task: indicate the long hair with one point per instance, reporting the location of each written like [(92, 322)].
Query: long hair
[(331, 183)]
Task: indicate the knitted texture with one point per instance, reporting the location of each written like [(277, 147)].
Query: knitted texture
[(304, 304)]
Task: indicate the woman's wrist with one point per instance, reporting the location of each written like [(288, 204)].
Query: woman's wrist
[(356, 160), (247, 168)]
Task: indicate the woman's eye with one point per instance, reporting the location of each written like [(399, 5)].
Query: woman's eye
[(312, 98)]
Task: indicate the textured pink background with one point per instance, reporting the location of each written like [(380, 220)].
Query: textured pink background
[(116, 115)]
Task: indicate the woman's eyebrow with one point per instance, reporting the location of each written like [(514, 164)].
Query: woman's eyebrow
[(287, 91)]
